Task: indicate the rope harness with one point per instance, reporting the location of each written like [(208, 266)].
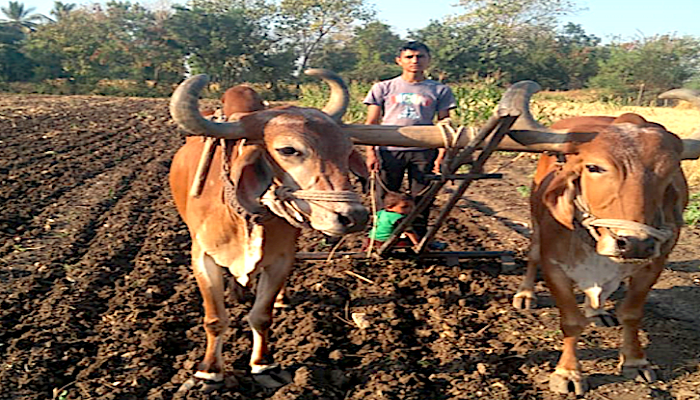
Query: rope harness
[(279, 200), (585, 220), (590, 222)]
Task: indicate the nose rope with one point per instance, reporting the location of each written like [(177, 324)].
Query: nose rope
[(281, 201), (340, 196), (591, 222)]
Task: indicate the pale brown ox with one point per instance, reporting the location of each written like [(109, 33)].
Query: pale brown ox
[(607, 207), (289, 170), (237, 101)]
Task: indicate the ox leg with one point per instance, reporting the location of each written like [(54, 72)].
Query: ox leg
[(633, 362), (525, 299), (210, 372), (567, 376), (282, 300), (271, 281)]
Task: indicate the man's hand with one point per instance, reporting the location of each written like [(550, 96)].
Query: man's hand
[(438, 161), (372, 160)]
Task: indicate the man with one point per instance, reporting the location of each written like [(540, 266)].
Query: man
[(408, 99)]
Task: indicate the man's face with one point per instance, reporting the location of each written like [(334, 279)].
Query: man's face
[(413, 60)]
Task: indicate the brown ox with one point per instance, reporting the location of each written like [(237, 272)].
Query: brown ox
[(289, 170), (607, 207), (240, 99)]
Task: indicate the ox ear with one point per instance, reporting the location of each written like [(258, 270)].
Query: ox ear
[(359, 168), (559, 197), (252, 176)]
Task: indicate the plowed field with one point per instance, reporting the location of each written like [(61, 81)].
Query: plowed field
[(97, 300)]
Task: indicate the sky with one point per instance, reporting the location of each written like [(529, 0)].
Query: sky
[(606, 19)]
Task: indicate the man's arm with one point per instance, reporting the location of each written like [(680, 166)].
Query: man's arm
[(441, 151), (374, 114)]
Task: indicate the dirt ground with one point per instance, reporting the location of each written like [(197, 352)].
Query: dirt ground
[(97, 300)]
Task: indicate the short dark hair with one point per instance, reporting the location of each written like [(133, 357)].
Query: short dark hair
[(392, 199), (415, 46)]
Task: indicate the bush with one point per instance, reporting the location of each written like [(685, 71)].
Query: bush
[(476, 100), (316, 95)]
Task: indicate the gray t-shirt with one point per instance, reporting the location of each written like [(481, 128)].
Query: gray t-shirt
[(404, 103)]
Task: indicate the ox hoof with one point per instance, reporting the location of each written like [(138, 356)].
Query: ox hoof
[(604, 320), (568, 383), (273, 378), (524, 301), (282, 304), (205, 386), (642, 373)]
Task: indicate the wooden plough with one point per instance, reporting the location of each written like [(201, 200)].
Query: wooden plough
[(486, 140)]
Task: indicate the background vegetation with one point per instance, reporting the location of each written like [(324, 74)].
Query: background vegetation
[(126, 48)]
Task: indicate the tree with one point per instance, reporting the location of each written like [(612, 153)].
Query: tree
[(19, 17), (304, 24), (375, 46), (125, 41), (514, 14), (227, 45), (578, 55), (14, 65), (142, 37), (646, 67), (456, 50), (69, 48), (61, 9)]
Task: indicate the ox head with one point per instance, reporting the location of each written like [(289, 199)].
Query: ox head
[(294, 161), (625, 187), (619, 179)]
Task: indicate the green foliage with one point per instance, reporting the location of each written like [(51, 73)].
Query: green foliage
[(305, 23), (642, 69), (691, 215), (316, 95), (61, 9), (19, 17), (14, 65), (123, 42), (523, 191), (476, 100), (516, 13)]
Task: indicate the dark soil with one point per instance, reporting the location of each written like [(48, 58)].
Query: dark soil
[(97, 300)]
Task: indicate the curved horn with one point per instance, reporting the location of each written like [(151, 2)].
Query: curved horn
[(526, 133), (340, 97), (184, 108), (516, 101), (691, 145)]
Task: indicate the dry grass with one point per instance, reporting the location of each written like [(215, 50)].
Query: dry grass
[(682, 120)]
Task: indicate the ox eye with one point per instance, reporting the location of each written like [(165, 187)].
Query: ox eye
[(595, 169), (288, 151)]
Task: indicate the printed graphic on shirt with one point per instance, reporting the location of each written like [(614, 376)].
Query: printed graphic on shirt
[(410, 101)]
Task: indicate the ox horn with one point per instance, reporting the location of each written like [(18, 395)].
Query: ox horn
[(184, 108), (526, 133), (339, 98), (691, 145)]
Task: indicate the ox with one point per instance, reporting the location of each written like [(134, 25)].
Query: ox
[(288, 170), (236, 102), (606, 207)]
